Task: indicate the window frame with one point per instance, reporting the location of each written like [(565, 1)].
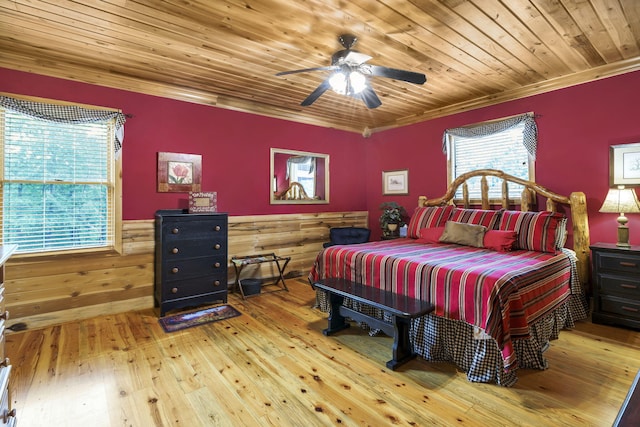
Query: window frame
[(450, 150), (116, 184)]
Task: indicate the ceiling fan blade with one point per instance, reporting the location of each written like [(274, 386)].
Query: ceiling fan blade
[(369, 97), (322, 88), (305, 70), (392, 73)]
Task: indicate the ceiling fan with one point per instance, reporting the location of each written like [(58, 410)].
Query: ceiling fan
[(351, 75)]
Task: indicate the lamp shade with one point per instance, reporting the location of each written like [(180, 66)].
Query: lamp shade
[(621, 200)]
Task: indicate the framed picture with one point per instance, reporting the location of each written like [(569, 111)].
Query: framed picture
[(179, 172), (395, 182), (203, 201), (624, 164)]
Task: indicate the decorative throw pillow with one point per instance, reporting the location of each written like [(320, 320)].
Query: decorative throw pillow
[(431, 235), (501, 241), (488, 218), (428, 217), (536, 230), (464, 234), (561, 233)]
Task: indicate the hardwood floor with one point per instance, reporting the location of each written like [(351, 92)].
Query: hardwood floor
[(272, 366)]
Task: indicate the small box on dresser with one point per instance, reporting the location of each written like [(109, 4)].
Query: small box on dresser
[(190, 259), (616, 291)]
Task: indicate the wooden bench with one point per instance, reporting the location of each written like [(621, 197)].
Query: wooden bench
[(401, 308)]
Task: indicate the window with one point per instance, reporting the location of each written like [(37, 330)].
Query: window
[(59, 188), (492, 146), (302, 170)]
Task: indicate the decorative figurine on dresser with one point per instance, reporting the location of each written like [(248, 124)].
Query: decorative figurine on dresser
[(190, 259), (616, 276)]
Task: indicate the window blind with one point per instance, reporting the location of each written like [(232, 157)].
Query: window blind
[(57, 183), (501, 150)]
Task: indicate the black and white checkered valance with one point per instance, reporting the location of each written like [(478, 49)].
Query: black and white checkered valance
[(67, 114), (529, 137)]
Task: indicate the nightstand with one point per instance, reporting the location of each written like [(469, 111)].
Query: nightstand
[(616, 291)]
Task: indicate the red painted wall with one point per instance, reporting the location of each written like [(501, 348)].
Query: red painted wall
[(235, 148), (576, 127)]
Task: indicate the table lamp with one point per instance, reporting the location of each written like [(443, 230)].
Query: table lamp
[(621, 200)]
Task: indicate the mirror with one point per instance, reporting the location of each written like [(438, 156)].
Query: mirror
[(299, 177)]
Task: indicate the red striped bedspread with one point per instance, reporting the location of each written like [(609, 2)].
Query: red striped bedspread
[(500, 292)]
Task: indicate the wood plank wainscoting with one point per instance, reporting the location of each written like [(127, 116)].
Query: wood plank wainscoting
[(48, 290)]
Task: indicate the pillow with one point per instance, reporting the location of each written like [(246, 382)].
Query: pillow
[(561, 233), (431, 235), (463, 234), (428, 217), (488, 218), (501, 241), (536, 230)]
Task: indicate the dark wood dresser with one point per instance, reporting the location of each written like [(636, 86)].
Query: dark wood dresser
[(8, 415), (190, 259), (616, 291)]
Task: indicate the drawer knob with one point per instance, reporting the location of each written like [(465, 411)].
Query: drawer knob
[(5, 315), (628, 264), (174, 290), (217, 228), (217, 246), (174, 250), (626, 286), (216, 265), (174, 270), (217, 283), (631, 309), (8, 414), (175, 231)]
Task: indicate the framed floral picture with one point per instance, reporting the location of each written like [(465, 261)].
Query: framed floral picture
[(179, 172), (624, 164)]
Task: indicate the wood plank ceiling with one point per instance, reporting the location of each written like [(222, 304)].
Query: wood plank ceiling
[(226, 53)]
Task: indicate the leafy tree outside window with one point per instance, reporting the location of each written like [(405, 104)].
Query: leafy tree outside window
[(508, 145), (58, 183)]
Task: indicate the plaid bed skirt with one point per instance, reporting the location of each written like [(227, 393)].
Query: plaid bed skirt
[(437, 339)]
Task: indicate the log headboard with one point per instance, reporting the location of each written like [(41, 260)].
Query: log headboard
[(576, 202)]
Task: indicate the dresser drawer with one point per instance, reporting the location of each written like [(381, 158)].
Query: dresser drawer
[(4, 390), (614, 305), (618, 262), (623, 286), (3, 353), (188, 288), (195, 229), (178, 249), (195, 267)]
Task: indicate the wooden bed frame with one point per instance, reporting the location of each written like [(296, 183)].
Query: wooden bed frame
[(576, 201), (294, 192), (479, 357)]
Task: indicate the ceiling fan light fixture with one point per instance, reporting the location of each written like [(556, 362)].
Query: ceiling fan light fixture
[(338, 82), (358, 82), (348, 82)]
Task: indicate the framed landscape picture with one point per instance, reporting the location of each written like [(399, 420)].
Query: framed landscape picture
[(395, 182), (624, 164), (179, 172)]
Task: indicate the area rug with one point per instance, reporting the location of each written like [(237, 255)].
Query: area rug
[(190, 319)]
